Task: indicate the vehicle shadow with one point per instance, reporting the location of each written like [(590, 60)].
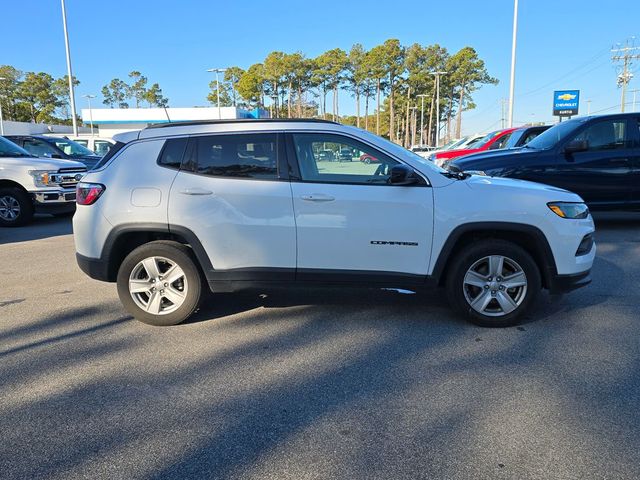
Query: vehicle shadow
[(43, 226), (220, 305)]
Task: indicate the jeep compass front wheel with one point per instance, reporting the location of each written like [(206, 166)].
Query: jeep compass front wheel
[(494, 282), (159, 283)]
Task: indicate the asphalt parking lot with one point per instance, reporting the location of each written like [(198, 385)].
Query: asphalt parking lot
[(327, 384)]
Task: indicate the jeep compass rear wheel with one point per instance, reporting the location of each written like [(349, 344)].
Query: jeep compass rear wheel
[(159, 283), (494, 282)]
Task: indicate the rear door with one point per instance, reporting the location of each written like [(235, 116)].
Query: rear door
[(351, 223), (234, 196), (601, 175)]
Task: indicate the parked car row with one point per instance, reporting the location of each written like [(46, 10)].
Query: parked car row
[(597, 157)]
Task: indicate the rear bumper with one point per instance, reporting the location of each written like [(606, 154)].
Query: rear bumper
[(96, 268), (568, 283)]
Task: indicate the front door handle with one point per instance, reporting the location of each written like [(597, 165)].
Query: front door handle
[(318, 197), (196, 191)]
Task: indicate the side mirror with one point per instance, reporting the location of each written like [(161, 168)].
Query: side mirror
[(576, 146), (403, 175)]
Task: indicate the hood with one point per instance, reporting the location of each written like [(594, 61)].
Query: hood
[(40, 163), (478, 160), (512, 185)]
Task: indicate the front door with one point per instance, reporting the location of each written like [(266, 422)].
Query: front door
[(601, 175), (349, 219)]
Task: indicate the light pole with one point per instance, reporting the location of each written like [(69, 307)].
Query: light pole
[(72, 98), (217, 71), (588, 107), (512, 83), (1, 119), (422, 95), (437, 75), (89, 97)]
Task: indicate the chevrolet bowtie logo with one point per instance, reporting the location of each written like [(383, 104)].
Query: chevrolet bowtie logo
[(566, 97)]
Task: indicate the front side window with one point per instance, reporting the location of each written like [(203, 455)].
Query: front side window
[(241, 156), (10, 149), (605, 135), (331, 158)]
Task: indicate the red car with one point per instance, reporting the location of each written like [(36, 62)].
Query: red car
[(492, 141), (366, 158)]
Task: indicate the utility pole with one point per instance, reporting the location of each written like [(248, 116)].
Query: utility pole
[(437, 75), (634, 98), (626, 55), (503, 110), (89, 97), (512, 83), (588, 107), (422, 95), (72, 98)]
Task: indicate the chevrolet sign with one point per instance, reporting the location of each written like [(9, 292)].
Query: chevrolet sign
[(565, 102)]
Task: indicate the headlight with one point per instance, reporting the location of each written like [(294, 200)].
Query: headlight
[(40, 178), (569, 210)]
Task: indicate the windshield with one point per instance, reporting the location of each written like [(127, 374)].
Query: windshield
[(549, 138), (10, 149), (486, 139), (456, 144), (71, 148)]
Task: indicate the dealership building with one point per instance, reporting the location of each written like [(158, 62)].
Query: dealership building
[(110, 121)]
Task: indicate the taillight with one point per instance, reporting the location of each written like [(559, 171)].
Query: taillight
[(88, 193)]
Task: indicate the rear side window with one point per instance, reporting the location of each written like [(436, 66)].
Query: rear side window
[(240, 156), (112, 151), (172, 152)]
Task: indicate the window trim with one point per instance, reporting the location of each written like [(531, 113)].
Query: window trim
[(281, 170), (295, 167)]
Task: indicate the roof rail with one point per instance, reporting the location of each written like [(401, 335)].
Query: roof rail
[(187, 123)]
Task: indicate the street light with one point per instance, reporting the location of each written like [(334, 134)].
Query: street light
[(217, 71), (72, 98), (422, 95), (437, 75), (89, 97), (1, 120), (512, 83)]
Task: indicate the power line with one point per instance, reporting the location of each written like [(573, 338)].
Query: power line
[(570, 73)]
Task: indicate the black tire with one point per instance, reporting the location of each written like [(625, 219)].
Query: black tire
[(367, 161), (180, 255), (458, 293), (14, 194)]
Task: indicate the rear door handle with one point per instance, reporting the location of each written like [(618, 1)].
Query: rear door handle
[(317, 197), (196, 191)]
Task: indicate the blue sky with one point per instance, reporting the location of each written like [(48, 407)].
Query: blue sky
[(561, 44)]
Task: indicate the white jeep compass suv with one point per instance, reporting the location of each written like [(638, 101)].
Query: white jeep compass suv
[(258, 204)]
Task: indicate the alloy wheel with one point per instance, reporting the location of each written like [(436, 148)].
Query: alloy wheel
[(158, 285), (9, 208), (495, 286)]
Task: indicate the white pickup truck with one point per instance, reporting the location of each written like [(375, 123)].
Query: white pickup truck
[(30, 184)]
